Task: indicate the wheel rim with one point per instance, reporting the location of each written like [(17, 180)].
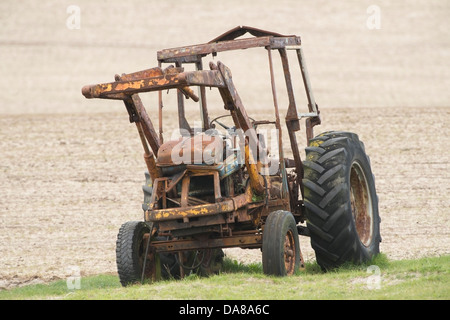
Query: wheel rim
[(289, 253), (361, 203)]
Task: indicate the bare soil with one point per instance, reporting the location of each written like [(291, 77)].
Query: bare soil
[(71, 169), (70, 181)]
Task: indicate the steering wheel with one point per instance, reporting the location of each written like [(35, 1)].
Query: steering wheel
[(223, 125)]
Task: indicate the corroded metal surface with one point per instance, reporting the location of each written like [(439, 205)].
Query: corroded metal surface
[(215, 202)]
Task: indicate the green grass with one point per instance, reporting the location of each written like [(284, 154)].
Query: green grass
[(426, 278)]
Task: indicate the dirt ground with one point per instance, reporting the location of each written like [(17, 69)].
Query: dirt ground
[(71, 169)]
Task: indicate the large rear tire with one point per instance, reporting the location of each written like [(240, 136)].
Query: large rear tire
[(340, 200)]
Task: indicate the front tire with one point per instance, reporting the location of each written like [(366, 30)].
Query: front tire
[(340, 200), (131, 248), (280, 248)]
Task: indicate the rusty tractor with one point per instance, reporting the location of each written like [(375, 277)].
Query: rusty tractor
[(219, 185)]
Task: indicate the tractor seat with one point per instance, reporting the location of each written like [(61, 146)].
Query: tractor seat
[(200, 152)]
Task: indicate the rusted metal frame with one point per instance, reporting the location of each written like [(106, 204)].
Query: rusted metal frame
[(190, 212), (157, 72), (237, 240), (309, 94), (276, 204), (146, 123), (194, 201), (186, 183), (229, 205), (206, 78), (256, 181), (157, 192), (174, 180), (292, 113), (159, 187), (137, 110), (148, 155), (186, 200), (178, 228), (160, 111), (185, 191), (171, 55), (203, 104), (313, 115), (147, 73), (188, 93), (164, 195), (233, 103), (129, 87), (310, 124), (242, 200), (179, 80), (292, 124), (139, 116), (217, 191), (208, 48), (284, 189), (182, 121), (189, 58), (123, 88), (238, 31), (143, 139)]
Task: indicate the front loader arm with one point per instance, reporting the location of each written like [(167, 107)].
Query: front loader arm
[(241, 120), (167, 80), (128, 86)]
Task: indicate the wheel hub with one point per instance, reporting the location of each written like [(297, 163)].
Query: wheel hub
[(289, 253), (361, 204)]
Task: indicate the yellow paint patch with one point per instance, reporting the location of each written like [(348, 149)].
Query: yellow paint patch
[(130, 85), (188, 212), (315, 143)]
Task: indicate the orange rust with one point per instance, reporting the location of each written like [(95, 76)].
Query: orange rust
[(360, 202), (148, 73), (202, 217), (256, 181), (151, 166)]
